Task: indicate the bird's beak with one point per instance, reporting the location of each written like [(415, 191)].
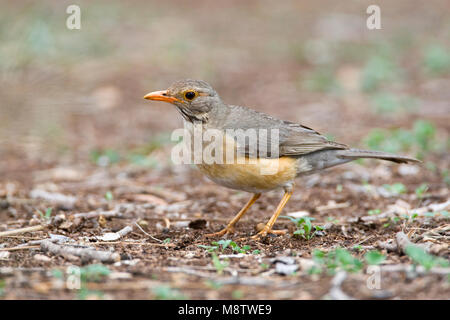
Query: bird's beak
[(161, 96)]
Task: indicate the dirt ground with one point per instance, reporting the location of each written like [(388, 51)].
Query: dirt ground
[(83, 157)]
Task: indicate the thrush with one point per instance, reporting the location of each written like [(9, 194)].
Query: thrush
[(299, 150)]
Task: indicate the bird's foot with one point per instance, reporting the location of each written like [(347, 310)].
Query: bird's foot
[(264, 232), (228, 230)]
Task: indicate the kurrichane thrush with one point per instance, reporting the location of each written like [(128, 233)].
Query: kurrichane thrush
[(299, 150)]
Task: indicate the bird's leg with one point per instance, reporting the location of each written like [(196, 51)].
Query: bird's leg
[(268, 227), (230, 227)]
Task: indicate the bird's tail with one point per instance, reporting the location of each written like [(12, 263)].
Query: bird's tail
[(323, 159), (353, 154)]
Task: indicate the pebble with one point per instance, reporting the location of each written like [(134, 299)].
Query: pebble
[(41, 257)]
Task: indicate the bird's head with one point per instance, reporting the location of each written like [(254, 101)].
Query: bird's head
[(193, 98)]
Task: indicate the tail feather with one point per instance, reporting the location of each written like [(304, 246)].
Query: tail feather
[(358, 153)]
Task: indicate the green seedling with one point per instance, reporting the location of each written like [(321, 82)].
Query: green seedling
[(321, 80), (237, 294), (446, 176), (374, 257), (109, 196), (420, 191), (421, 257), (396, 188), (167, 293), (305, 229), (437, 60), (378, 70), (333, 261), (2, 287), (210, 249), (374, 212), (213, 284), (421, 138), (219, 265), (388, 104), (264, 266), (85, 293), (223, 244), (47, 215), (332, 220), (105, 157), (94, 272)]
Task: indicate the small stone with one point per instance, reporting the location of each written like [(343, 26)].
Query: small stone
[(4, 255), (41, 257), (285, 269)]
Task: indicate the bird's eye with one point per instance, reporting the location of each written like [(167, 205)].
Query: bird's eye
[(189, 95)]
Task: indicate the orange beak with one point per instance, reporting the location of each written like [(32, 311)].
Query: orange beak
[(161, 96)]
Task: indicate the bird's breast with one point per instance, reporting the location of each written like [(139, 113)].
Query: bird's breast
[(260, 176)]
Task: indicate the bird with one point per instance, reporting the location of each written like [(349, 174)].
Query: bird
[(298, 150)]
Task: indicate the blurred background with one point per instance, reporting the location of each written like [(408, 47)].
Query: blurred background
[(75, 96)]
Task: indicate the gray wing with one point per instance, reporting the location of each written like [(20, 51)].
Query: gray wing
[(293, 139)]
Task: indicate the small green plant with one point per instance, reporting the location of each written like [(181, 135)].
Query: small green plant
[(421, 257), (332, 220), (237, 294), (58, 274), (335, 260), (321, 79), (413, 217), (2, 287), (388, 103), (264, 266), (446, 176), (85, 293), (167, 293), (437, 60), (167, 240), (421, 138), (219, 265), (213, 284), (143, 160), (236, 248), (210, 249), (109, 196), (223, 244), (374, 212), (396, 188), (378, 70), (305, 229), (105, 157), (420, 191), (94, 272), (374, 257), (47, 215)]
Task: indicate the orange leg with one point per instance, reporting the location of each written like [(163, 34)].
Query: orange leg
[(268, 227), (230, 226)]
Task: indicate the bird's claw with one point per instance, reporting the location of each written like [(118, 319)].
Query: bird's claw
[(227, 230), (264, 233)]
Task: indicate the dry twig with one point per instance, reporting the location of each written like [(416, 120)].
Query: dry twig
[(84, 253), (21, 230)]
